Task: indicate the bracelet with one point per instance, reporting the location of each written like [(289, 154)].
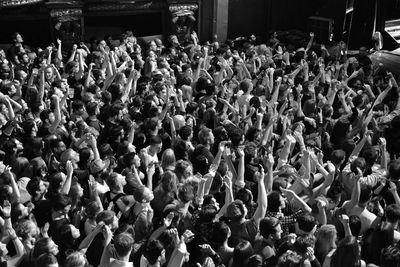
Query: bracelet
[(7, 217)]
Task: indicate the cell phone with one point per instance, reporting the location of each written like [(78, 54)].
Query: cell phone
[(356, 139)]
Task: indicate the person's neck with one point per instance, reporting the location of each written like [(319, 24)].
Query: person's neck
[(117, 191), (154, 133), (124, 258)]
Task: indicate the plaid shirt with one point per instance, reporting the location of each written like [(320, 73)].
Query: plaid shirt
[(287, 222)]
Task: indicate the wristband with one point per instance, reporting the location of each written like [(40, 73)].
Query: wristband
[(7, 217)]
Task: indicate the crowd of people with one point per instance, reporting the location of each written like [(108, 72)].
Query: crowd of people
[(178, 153)]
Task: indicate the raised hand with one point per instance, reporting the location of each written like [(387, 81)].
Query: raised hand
[(168, 220), (6, 209), (187, 236)]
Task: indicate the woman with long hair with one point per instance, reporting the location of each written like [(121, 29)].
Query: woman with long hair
[(241, 254), (347, 254)]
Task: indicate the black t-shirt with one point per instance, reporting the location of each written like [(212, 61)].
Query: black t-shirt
[(42, 212), (95, 250)]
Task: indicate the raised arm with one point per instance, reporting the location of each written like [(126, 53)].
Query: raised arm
[(293, 195), (67, 184), (57, 115), (355, 195), (262, 199)]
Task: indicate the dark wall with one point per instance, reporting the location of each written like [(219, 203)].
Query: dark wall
[(262, 16)]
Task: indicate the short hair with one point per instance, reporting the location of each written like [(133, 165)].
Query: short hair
[(306, 222), (60, 201), (204, 135), (25, 228), (42, 245), (155, 140), (33, 186), (123, 244), (106, 216), (91, 108), (303, 242), (46, 259), (76, 259), (77, 104), (185, 193), (326, 233), (290, 259), (115, 109), (370, 155), (394, 169), (245, 85), (268, 226), (337, 156), (392, 213), (220, 232)]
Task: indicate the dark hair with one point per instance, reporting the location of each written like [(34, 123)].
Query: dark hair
[(42, 245), (390, 256), (106, 216), (268, 226), (394, 169), (355, 225), (337, 156), (45, 260), (365, 194), (60, 201), (347, 253), (274, 201), (241, 254), (381, 237), (220, 233), (392, 213), (306, 222), (153, 251), (123, 244), (33, 186)]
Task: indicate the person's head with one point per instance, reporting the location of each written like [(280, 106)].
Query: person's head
[(92, 210), (220, 233), (291, 259), (270, 228), (46, 260), (155, 144), (115, 111), (390, 256), (206, 137), (169, 182), (327, 234), (306, 224), (76, 259), (186, 133), (241, 254), (347, 253), (246, 86), (18, 212), (71, 155), (44, 245), (183, 169), (355, 225), (334, 194), (236, 211), (154, 252), (338, 156), (381, 237), (131, 159), (108, 218), (392, 214), (255, 261), (17, 38), (143, 194), (185, 193), (115, 181), (168, 159), (28, 231), (69, 233), (394, 169), (276, 201), (61, 203), (36, 187), (123, 244), (365, 195)]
